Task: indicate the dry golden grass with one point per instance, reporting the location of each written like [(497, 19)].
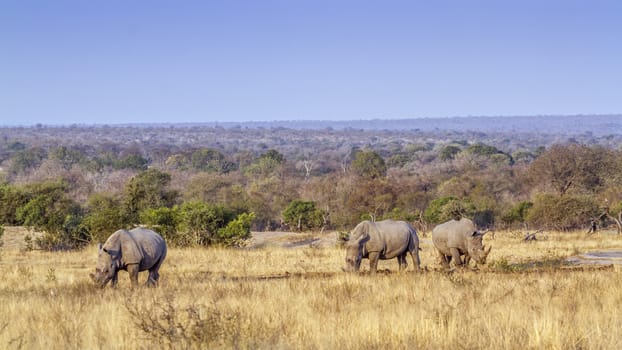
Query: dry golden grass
[(276, 298)]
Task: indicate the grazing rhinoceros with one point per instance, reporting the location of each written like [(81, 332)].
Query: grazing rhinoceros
[(136, 250), (386, 239), (455, 238)]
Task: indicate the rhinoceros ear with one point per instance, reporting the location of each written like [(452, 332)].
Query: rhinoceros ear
[(99, 247), (359, 235)]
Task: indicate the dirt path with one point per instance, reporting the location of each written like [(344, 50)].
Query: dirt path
[(292, 239), (603, 257)]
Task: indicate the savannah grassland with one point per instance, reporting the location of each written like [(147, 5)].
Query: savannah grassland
[(298, 298)]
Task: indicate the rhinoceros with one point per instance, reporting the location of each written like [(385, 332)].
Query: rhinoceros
[(136, 250), (383, 240), (456, 238)]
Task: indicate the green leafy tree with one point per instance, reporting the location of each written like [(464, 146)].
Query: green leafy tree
[(449, 152), (267, 198), (482, 149), (11, 198), (266, 164), (303, 215), (517, 214), (162, 220), (400, 214), (67, 157), (27, 159), (369, 164), (208, 159), (198, 222), (51, 210), (446, 208), (237, 230), (148, 189), (132, 161), (15, 146), (103, 217), (273, 155)]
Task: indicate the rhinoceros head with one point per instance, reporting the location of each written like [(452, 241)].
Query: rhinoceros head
[(355, 247), (476, 248), (107, 266)]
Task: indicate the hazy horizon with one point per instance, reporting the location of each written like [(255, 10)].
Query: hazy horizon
[(73, 62), (53, 123)]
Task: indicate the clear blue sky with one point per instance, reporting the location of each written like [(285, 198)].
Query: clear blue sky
[(112, 61)]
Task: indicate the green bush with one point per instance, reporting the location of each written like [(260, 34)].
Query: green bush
[(103, 217), (369, 164), (266, 164), (236, 230), (132, 161), (149, 189), (199, 222), (517, 214), (449, 152), (52, 211), (11, 198), (163, 220), (27, 159), (208, 159), (482, 149), (400, 214), (483, 217), (446, 208), (303, 215)]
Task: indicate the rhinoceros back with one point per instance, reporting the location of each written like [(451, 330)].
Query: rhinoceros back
[(397, 237), (151, 244), (453, 233)]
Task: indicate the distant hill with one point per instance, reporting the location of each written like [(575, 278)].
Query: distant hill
[(598, 125)]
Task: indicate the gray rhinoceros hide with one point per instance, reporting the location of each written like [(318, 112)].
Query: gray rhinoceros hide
[(456, 238), (386, 239), (136, 250)]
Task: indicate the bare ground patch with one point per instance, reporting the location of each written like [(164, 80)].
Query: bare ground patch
[(292, 239)]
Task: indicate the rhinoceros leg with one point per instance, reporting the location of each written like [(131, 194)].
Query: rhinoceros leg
[(373, 261), (416, 260), (152, 281), (154, 276), (455, 253), (401, 260), (132, 269), (445, 259), (414, 254), (114, 279)]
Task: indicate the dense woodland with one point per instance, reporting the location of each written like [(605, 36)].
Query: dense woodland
[(212, 183)]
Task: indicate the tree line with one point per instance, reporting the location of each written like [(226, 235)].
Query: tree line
[(80, 189)]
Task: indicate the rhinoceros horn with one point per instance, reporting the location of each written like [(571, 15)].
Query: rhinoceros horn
[(487, 251)]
